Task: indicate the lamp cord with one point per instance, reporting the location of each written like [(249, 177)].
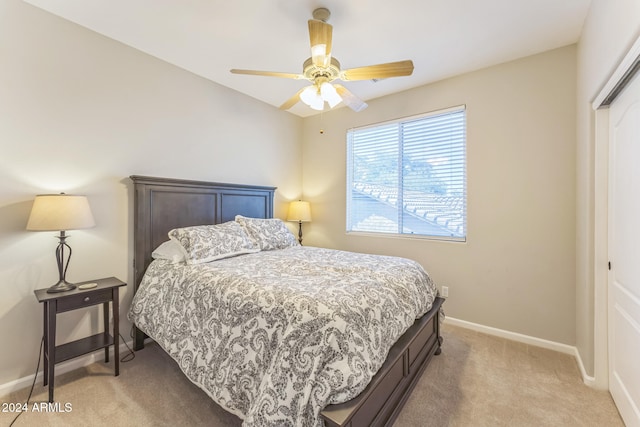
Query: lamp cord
[(131, 355), (35, 376), (126, 358)]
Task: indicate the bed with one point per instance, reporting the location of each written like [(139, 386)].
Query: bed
[(161, 205)]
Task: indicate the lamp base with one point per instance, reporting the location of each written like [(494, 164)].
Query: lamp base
[(61, 286)]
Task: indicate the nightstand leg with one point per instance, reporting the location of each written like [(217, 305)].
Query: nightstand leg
[(51, 345), (105, 312), (45, 352), (116, 330)]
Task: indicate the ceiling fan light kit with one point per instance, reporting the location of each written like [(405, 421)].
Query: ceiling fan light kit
[(315, 96), (311, 96), (322, 69)]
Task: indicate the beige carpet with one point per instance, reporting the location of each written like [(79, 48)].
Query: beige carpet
[(478, 380)]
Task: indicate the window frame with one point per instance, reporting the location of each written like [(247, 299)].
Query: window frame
[(349, 177)]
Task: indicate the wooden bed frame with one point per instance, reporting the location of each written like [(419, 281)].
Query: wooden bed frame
[(161, 204)]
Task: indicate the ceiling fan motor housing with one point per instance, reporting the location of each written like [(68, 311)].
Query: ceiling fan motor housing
[(312, 72)]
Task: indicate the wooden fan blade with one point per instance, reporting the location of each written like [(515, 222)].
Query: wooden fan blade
[(380, 71), (268, 74), (349, 99), (320, 36), (292, 101)]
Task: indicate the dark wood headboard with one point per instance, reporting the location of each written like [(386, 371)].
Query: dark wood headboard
[(161, 204)]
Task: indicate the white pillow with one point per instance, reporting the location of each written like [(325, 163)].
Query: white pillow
[(204, 243), (169, 250), (268, 234)]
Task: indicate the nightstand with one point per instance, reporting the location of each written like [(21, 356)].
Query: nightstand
[(106, 291)]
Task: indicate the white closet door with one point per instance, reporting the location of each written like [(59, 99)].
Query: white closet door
[(624, 252)]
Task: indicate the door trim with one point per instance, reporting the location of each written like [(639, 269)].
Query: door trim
[(623, 74)]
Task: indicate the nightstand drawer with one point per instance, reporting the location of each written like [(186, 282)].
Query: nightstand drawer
[(84, 300)]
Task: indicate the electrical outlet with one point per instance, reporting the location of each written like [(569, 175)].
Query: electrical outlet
[(445, 292)]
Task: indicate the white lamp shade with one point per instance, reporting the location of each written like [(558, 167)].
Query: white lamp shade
[(299, 211), (59, 212)]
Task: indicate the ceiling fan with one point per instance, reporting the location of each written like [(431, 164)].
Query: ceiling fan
[(322, 69)]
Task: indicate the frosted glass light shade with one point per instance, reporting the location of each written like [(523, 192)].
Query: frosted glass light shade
[(315, 96), (60, 212), (330, 94), (311, 96)]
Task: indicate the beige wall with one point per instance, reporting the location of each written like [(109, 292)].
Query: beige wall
[(609, 31), (80, 113), (517, 269)]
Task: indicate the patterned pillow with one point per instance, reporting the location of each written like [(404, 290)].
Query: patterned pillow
[(268, 234), (204, 243)]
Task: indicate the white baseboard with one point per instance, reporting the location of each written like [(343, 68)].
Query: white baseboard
[(526, 339), (513, 336), (61, 368), (586, 378)]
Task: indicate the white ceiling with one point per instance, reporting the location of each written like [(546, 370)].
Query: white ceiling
[(443, 37)]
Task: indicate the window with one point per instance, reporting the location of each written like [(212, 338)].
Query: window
[(408, 177)]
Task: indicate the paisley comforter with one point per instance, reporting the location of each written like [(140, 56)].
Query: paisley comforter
[(276, 336)]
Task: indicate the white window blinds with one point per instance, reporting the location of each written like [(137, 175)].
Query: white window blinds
[(409, 176)]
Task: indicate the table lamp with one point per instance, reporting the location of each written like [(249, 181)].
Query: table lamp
[(60, 212), (299, 211)]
